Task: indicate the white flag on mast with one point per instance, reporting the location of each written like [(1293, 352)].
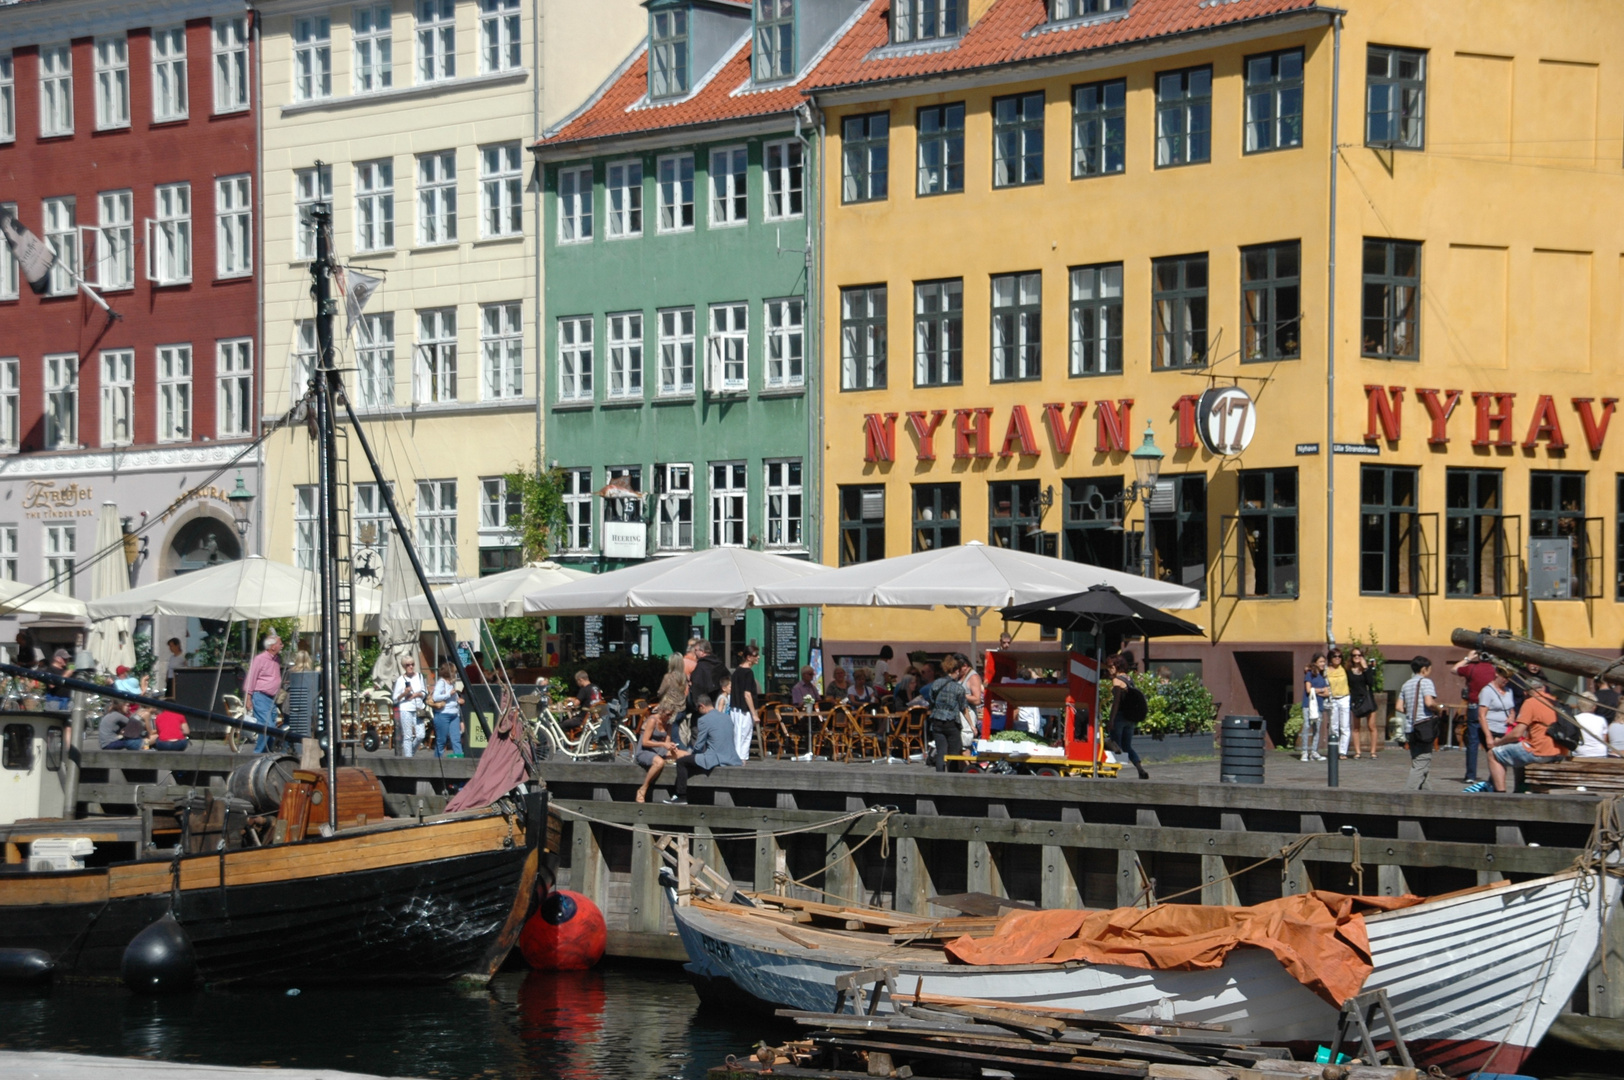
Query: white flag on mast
[(360, 289), (33, 255)]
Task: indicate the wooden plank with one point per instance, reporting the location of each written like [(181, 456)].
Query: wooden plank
[(1078, 1065)]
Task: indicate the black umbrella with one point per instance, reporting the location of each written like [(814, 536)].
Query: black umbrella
[(1103, 609)]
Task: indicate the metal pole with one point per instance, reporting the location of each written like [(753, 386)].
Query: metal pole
[(384, 490), (326, 388), (1330, 344)]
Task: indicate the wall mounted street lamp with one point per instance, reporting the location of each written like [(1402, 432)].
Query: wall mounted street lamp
[(242, 506), (1147, 469)]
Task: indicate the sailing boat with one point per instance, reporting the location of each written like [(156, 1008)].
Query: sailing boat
[(355, 897)]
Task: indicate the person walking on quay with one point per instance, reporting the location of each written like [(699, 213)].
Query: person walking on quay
[(1341, 703), (1362, 692), (1418, 702), (1316, 695), (409, 695), (447, 712), (1477, 671), (946, 713), (264, 682), (713, 747), (1128, 708)]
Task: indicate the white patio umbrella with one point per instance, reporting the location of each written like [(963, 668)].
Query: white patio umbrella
[(245, 590), (972, 577), (18, 598), (110, 641), (723, 580), (500, 596)]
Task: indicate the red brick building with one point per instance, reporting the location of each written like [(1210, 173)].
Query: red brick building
[(127, 143)]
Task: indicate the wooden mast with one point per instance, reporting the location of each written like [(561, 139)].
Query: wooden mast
[(1525, 651), (325, 387)]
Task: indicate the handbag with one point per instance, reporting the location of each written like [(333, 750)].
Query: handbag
[(1424, 731)]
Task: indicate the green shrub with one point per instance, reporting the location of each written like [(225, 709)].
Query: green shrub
[(1293, 730), (1181, 707)]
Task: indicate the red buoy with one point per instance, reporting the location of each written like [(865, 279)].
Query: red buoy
[(565, 933)]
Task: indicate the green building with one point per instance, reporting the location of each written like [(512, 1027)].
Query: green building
[(681, 406)]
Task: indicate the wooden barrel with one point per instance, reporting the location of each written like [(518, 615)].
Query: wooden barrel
[(261, 781)]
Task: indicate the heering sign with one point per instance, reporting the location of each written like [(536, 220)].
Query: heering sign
[(624, 540), (1226, 420)]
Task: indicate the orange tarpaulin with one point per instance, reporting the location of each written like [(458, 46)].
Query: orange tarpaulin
[(1318, 937)]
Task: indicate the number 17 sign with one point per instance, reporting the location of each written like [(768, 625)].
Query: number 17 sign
[(1226, 419)]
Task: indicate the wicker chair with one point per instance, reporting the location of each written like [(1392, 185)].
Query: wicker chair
[(778, 732), (908, 734)]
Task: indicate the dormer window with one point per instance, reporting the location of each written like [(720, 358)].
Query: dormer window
[(668, 54), (775, 40), (928, 20), (1061, 10)]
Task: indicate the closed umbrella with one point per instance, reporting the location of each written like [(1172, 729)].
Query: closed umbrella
[(973, 577), (724, 580), (17, 598), (248, 589), (110, 642), (499, 596), (398, 632)]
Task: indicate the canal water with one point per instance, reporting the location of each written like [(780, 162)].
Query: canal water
[(620, 1022)]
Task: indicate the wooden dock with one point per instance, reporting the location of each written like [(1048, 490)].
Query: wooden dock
[(801, 828)]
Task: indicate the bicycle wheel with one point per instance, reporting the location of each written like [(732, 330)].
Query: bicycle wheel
[(625, 742), (546, 744)]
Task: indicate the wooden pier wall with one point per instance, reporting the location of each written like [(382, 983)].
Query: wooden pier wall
[(1054, 842)]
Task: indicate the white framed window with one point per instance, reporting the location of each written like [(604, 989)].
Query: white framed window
[(1017, 309), (10, 276), (375, 205), (625, 195), (169, 235), (676, 192), (726, 348), (499, 39), (169, 74), (497, 506), (55, 90), (310, 186), (674, 498), (501, 350), (62, 236), (624, 509), (8, 552), (775, 40), (786, 342), (8, 98), (437, 527), (233, 229), (112, 82), (436, 355), (374, 48), (575, 358), (61, 554), (436, 40), (668, 53), (372, 523), (626, 354), (304, 526), (302, 358), (575, 205), (115, 240), (577, 509), (62, 402), (375, 360), (10, 404), (312, 58), (784, 503), (233, 388), (501, 186), (677, 351), (729, 170), (230, 64), (785, 180), (174, 393), (118, 397), (437, 198), (727, 502)]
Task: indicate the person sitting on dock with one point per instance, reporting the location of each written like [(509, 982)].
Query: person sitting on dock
[(713, 747), (1529, 741), (135, 734), (172, 731), (654, 745), (110, 729)]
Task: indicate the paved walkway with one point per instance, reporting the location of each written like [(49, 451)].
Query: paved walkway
[(1387, 772), (54, 1066)]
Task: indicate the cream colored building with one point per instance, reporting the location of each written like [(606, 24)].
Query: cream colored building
[(413, 121)]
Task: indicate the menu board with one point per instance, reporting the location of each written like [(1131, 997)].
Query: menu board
[(594, 637), (783, 646)]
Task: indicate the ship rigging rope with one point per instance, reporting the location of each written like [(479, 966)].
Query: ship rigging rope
[(883, 825)]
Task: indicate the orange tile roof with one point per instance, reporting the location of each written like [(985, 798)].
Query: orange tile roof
[(623, 108), (1005, 35)]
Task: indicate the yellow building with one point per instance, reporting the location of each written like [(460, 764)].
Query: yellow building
[(411, 120), (1399, 231)]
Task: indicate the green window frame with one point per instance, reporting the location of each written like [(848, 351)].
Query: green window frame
[(1014, 515), (865, 154), (1096, 320), (1184, 117), (1474, 532), (863, 337), (668, 53), (1274, 101), (1099, 128), (927, 20), (862, 523), (774, 51), (1017, 326), (1268, 519), (936, 516), (1017, 140), (1395, 98), (1556, 508), (939, 332), (1179, 312), (1389, 531), (1092, 531), (1178, 531), (939, 130), (1271, 302), (1391, 317)]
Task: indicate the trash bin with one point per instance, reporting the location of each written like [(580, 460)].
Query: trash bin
[(1241, 758)]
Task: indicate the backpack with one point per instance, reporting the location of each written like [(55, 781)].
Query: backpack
[(1133, 707), (1565, 733)]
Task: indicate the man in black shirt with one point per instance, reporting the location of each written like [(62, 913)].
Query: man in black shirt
[(706, 677)]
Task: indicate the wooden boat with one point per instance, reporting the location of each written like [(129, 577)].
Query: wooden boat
[(1475, 979)]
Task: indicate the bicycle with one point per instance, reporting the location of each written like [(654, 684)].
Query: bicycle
[(600, 737)]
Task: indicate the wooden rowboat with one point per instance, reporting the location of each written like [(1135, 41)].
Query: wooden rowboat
[(1475, 979)]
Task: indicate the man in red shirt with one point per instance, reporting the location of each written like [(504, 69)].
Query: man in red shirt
[(1529, 740), (1478, 672)]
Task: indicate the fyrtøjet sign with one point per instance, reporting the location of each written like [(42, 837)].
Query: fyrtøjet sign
[(1225, 420)]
